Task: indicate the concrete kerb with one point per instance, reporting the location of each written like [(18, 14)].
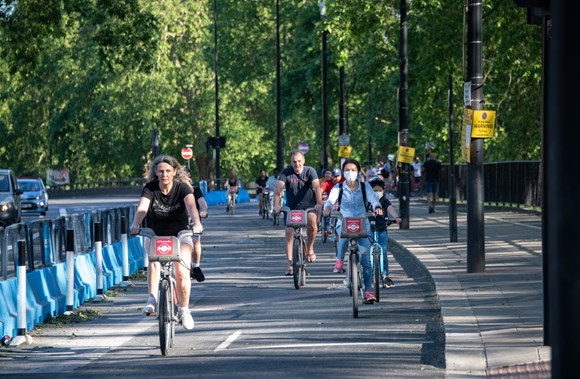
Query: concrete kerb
[(464, 349)]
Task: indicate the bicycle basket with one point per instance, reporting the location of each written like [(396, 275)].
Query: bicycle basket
[(233, 189), (164, 249), (296, 218), (353, 227)]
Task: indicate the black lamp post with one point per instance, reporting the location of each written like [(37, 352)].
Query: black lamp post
[(279, 153), (217, 101), (403, 120), (324, 95)]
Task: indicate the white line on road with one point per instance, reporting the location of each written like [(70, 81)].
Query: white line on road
[(228, 341), (335, 344)]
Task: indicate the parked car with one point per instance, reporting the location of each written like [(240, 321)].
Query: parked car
[(10, 203), (35, 197)]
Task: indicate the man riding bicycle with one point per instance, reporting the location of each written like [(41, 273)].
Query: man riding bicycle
[(302, 192), (167, 200)]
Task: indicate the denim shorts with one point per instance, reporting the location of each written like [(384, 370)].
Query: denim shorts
[(431, 187)]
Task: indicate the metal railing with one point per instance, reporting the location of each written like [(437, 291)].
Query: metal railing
[(513, 183), (46, 239)]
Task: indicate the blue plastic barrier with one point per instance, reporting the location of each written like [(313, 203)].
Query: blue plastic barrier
[(46, 288), (219, 197)]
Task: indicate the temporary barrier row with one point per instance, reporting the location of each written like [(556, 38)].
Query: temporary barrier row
[(62, 271)]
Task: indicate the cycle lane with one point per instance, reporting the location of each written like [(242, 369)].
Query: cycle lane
[(251, 320)]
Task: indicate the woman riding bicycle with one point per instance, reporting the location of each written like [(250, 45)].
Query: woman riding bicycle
[(232, 188), (167, 200), (352, 204)]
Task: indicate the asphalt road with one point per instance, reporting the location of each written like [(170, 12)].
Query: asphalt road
[(250, 320)]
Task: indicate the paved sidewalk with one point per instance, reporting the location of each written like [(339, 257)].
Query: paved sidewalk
[(493, 320)]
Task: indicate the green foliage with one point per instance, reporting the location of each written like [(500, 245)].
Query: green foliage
[(83, 83)]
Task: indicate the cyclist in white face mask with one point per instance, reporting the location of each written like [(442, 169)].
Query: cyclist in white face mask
[(378, 185), (353, 202)]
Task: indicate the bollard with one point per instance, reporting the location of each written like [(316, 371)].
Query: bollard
[(70, 271), (21, 336), (99, 255), (125, 247)]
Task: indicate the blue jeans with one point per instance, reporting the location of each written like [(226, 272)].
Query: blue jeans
[(383, 238), (364, 247)]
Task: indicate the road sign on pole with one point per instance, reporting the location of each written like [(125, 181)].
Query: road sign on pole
[(186, 153), (303, 147)]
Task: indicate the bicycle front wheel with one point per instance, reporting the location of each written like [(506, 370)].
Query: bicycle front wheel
[(165, 312), (354, 276), (376, 270), (303, 263), (297, 263)]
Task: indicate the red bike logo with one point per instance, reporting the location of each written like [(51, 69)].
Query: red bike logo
[(296, 217), (353, 225), (163, 246)]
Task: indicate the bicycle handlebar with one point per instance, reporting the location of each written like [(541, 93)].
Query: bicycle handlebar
[(340, 216), (287, 209), (149, 233)]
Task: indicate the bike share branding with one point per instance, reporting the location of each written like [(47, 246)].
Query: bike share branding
[(296, 217), (353, 225), (163, 246)]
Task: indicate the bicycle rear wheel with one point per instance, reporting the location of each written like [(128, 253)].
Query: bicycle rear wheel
[(165, 312), (376, 270), (296, 263), (354, 276)]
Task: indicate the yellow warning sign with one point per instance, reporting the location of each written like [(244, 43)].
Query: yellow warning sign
[(483, 124), (344, 151), (406, 154), (466, 134)]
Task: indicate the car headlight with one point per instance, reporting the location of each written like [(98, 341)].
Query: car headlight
[(5, 207)]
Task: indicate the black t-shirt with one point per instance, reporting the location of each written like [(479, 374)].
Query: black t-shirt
[(261, 181), (432, 170), (167, 215), (299, 191), (381, 221), (198, 194)]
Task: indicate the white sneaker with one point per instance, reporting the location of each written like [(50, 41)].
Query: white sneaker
[(186, 319), (149, 308)]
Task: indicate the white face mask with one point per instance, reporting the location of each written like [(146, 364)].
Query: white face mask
[(351, 176), (379, 194)]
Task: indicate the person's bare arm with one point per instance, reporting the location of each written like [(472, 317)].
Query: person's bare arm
[(140, 214)]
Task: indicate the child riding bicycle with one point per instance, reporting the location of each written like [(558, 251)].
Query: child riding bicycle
[(378, 186), (353, 196)]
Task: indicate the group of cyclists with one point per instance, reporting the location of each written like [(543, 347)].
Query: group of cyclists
[(344, 189), (169, 204)]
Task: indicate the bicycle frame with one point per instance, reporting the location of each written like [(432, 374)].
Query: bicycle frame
[(378, 259), (232, 200), (352, 229), (298, 219), (267, 203), (165, 250)]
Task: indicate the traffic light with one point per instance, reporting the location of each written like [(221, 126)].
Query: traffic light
[(533, 3), (537, 9), (212, 142)]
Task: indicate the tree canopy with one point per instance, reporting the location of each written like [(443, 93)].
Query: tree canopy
[(84, 83)]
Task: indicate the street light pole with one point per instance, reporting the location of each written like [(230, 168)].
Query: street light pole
[(279, 153), (217, 101), (403, 119), (475, 210), (324, 94)]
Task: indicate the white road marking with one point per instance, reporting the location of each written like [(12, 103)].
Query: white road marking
[(228, 341)]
